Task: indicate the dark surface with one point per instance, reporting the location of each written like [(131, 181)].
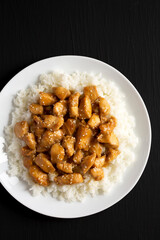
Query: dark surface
[(123, 34)]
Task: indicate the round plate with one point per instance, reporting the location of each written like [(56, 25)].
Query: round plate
[(48, 205)]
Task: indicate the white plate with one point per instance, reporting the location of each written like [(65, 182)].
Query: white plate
[(50, 206)]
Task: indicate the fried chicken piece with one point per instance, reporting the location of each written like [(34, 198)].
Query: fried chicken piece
[(111, 155), (104, 108), (61, 92), (99, 162), (68, 179), (85, 108), (94, 121), (73, 105), (30, 140), (57, 153), (42, 161), (39, 176), (78, 156), (97, 173), (87, 163), (52, 123), (20, 129), (27, 152), (65, 167), (110, 139), (69, 126), (91, 92), (83, 137), (108, 127), (48, 139), (36, 108), (95, 147), (37, 130), (68, 144), (60, 108), (28, 161), (46, 99)]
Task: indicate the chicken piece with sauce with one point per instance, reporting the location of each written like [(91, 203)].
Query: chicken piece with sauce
[(37, 131), (43, 162), (97, 173), (28, 162), (96, 147), (111, 155), (38, 120), (85, 108), (21, 128), (60, 108), (69, 179), (73, 105), (94, 121), (68, 144), (78, 156), (57, 153), (39, 176), (58, 135), (104, 108), (99, 162), (47, 140), (51, 122), (30, 140), (46, 99), (70, 126), (27, 152), (61, 92), (87, 163), (83, 137), (36, 109), (91, 92), (28, 156), (108, 127), (65, 167), (110, 139)]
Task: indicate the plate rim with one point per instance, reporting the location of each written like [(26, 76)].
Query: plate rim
[(147, 118)]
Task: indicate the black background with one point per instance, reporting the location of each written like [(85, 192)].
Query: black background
[(124, 34)]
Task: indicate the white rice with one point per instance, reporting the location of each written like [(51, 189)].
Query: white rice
[(124, 131)]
